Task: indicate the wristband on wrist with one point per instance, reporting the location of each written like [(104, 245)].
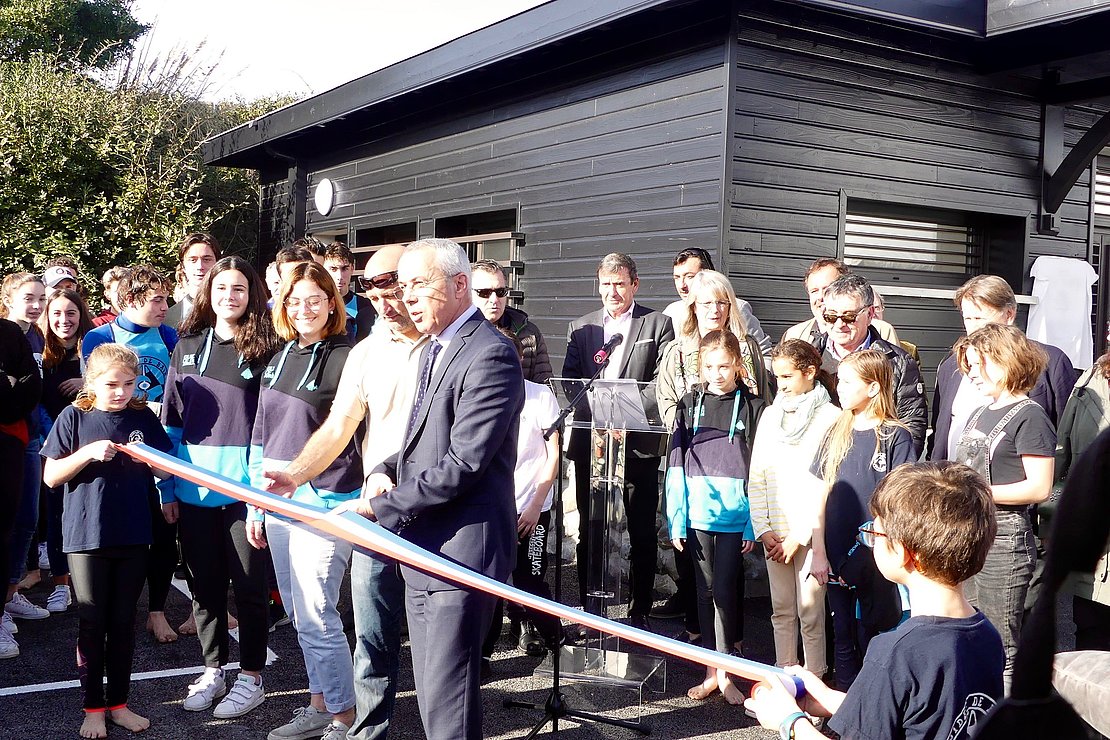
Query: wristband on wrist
[(786, 727)]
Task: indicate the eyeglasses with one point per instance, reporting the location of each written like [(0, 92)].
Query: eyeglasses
[(309, 304), (868, 533), (848, 317), (487, 292), (420, 285), (382, 280), (386, 295), (711, 304)]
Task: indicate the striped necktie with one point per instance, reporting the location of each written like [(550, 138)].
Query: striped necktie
[(425, 380)]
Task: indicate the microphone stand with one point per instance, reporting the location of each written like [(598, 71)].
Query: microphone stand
[(555, 707)]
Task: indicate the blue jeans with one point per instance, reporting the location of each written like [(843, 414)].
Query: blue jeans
[(27, 513), (999, 589), (378, 598)]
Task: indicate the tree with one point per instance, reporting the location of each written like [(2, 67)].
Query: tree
[(85, 33)]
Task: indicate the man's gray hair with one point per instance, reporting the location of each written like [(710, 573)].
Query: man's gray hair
[(614, 262), (852, 286), (450, 258)]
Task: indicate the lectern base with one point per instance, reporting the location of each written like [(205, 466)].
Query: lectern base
[(607, 667)]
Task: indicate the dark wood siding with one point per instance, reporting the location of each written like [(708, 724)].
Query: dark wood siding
[(636, 170), (828, 108), (275, 215)]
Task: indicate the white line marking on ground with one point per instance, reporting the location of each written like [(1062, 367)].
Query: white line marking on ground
[(36, 688)]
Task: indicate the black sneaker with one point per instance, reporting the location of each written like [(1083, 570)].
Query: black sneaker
[(278, 617), (672, 608), (531, 641)]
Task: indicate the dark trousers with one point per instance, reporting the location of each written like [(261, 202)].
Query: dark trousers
[(850, 638), (446, 629), (11, 490), (1092, 624), (163, 557), (641, 500), (106, 583), (378, 599), (528, 576), (214, 540), (55, 498), (719, 564)]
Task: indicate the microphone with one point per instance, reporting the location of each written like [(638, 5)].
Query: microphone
[(603, 354)]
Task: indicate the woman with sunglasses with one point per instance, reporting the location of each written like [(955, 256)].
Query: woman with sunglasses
[(298, 387), (491, 296), (210, 400)]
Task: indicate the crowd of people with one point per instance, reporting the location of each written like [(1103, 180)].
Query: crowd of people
[(415, 395)]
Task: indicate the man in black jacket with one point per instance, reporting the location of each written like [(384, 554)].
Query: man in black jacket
[(848, 309), (646, 333), (491, 296)]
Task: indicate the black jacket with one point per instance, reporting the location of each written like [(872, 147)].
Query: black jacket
[(536, 363), (20, 382), (909, 389)]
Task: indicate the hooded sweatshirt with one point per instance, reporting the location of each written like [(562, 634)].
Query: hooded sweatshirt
[(707, 469), (208, 410), (298, 387)]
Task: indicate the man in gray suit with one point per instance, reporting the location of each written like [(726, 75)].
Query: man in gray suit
[(450, 487), (637, 357)]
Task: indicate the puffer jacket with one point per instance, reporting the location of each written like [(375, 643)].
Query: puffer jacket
[(536, 363), (909, 388)]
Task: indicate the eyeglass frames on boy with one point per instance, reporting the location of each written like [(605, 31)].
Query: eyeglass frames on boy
[(868, 535)]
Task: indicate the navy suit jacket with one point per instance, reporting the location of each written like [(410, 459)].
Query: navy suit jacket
[(649, 333), (1051, 393), (454, 473)]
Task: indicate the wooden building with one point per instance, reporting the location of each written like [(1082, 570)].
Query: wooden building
[(922, 140)]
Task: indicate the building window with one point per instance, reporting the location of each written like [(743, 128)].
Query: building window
[(489, 235), (1102, 193), (370, 239), (881, 237)]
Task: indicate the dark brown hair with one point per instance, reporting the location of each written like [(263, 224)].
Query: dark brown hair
[(1019, 357), (339, 251), (293, 253), (313, 271), (140, 280), (943, 513), (820, 264), (804, 355), (54, 351), (198, 237), (256, 340)]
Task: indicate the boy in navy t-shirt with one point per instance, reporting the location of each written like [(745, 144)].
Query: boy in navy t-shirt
[(940, 672)]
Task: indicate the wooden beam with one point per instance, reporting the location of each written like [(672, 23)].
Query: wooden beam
[(1059, 183), (1077, 92)]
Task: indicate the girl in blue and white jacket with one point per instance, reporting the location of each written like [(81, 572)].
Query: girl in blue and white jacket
[(707, 501)]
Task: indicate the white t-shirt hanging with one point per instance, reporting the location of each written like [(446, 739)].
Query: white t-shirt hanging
[(1062, 315), (539, 412)]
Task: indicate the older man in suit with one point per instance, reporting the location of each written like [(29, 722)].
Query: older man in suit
[(450, 487), (637, 357)]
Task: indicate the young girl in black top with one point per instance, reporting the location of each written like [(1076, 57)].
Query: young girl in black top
[(106, 529), (64, 322), (1012, 444)]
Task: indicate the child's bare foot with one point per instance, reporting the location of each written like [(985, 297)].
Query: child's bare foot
[(189, 626), (232, 622), (128, 720), (32, 579), (703, 690), (157, 625), (93, 726), (731, 693)]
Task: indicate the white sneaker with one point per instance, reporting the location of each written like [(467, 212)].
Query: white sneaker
[(20, 608), (336, 731), (9, 648), (208, 687), (59, 599), (8, 624), (308, 722), (244, 696), (44, 557)]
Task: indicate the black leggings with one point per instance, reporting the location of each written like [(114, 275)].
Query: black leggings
[(163, 558), (107, 583), (11, 492), (214, 540), (719, 563)]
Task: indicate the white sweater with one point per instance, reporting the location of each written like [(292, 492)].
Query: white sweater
[(783, 494)]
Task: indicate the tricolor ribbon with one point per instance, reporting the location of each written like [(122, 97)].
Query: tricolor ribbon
[(369, 535)]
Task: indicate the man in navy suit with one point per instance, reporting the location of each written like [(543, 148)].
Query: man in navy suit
[(637, 357), (450, 488)]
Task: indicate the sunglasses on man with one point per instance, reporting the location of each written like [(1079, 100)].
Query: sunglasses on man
[(380, 281), (848, 317), (484, 293)]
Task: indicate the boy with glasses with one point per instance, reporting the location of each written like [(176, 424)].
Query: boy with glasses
[(940, 672)]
